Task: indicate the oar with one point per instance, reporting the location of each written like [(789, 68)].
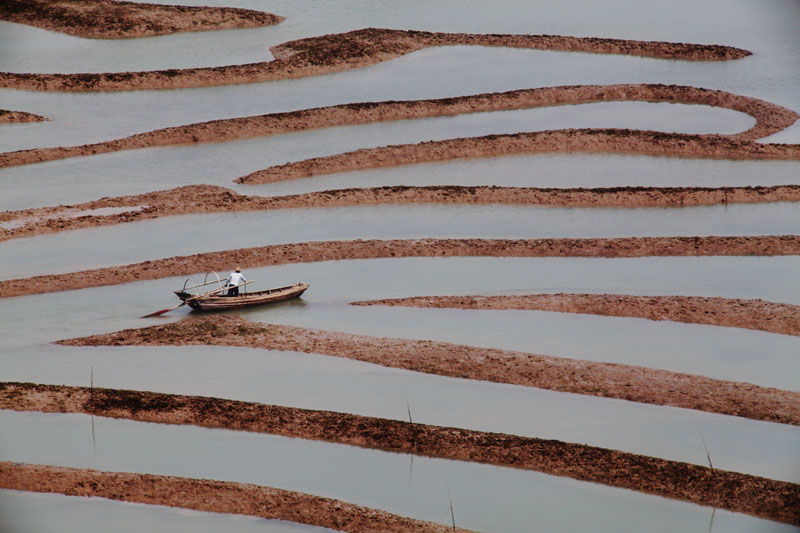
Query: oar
[(165, 310), (209, 293)]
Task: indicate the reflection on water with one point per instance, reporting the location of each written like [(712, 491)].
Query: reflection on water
[(485, 497), (56, 513)]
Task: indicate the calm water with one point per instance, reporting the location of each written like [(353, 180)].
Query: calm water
[(555, 170), (334, 384), (483, 496), (24, 512), (724, 353), (663, 116), (771, 34), (170, 236), (78, 179)]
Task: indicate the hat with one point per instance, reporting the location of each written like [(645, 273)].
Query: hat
[(238, 269)]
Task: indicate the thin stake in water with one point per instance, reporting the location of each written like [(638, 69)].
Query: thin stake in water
[(408, 408), (708, 455), (711, 524), (452, 514), (410, 470)]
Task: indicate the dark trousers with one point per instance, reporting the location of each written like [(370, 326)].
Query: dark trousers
[(234, 291)]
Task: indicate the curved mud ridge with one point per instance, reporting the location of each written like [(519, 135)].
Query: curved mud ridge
[(8, 117), (107, 19), (344, 51), (193, 199), (608, 380), (753, 495), (210, 496), (728, 312), (309, 252), (770, 118), (542, 142)]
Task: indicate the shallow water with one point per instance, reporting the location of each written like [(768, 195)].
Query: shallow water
[(28, 324), (724, 353), (483, 496), (189, 234), (78, 179), (55, 513), (90, 126), (771, 33), (135, 172), (554, 170), (342, 385)]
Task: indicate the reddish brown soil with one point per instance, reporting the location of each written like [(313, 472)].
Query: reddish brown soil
[(338, 52), (553, 141), (208, 495), (729, 312), (770, 118), (210, 198), (7, 117), (308, 252), (609, 380), (763, 497), (106, 19)]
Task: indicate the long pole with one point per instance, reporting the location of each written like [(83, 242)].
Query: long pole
[(209, 293)]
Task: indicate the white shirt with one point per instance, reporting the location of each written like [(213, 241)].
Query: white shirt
[(236, 278)]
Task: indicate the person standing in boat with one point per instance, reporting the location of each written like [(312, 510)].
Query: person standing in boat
[(235, 278)]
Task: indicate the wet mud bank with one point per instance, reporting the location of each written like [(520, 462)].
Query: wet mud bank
[(111, 19), (193, 199), (310, 252), (12, 117), (542, 142), (625, 382), (356, 49), (734, 491), (770, 118), (208, 495), (729, 312)]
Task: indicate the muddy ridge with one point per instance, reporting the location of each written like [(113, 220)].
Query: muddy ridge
[(609, 380), (344, 51), (770, 118), (541, 142), (754, 495), (192, 199), (208, 495), (107, 19), (309, 252), (7, 117), (729, 312)]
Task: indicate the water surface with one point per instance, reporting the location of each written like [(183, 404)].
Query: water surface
[(341, 385), (484, 497), (190, 234), (56, 513)]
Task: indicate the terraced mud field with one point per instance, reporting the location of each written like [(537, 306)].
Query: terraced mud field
[(484, 346)]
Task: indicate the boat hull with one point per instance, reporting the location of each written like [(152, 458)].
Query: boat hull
[(219, 303)]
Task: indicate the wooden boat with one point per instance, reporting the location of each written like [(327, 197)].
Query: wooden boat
[(203, 302)]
